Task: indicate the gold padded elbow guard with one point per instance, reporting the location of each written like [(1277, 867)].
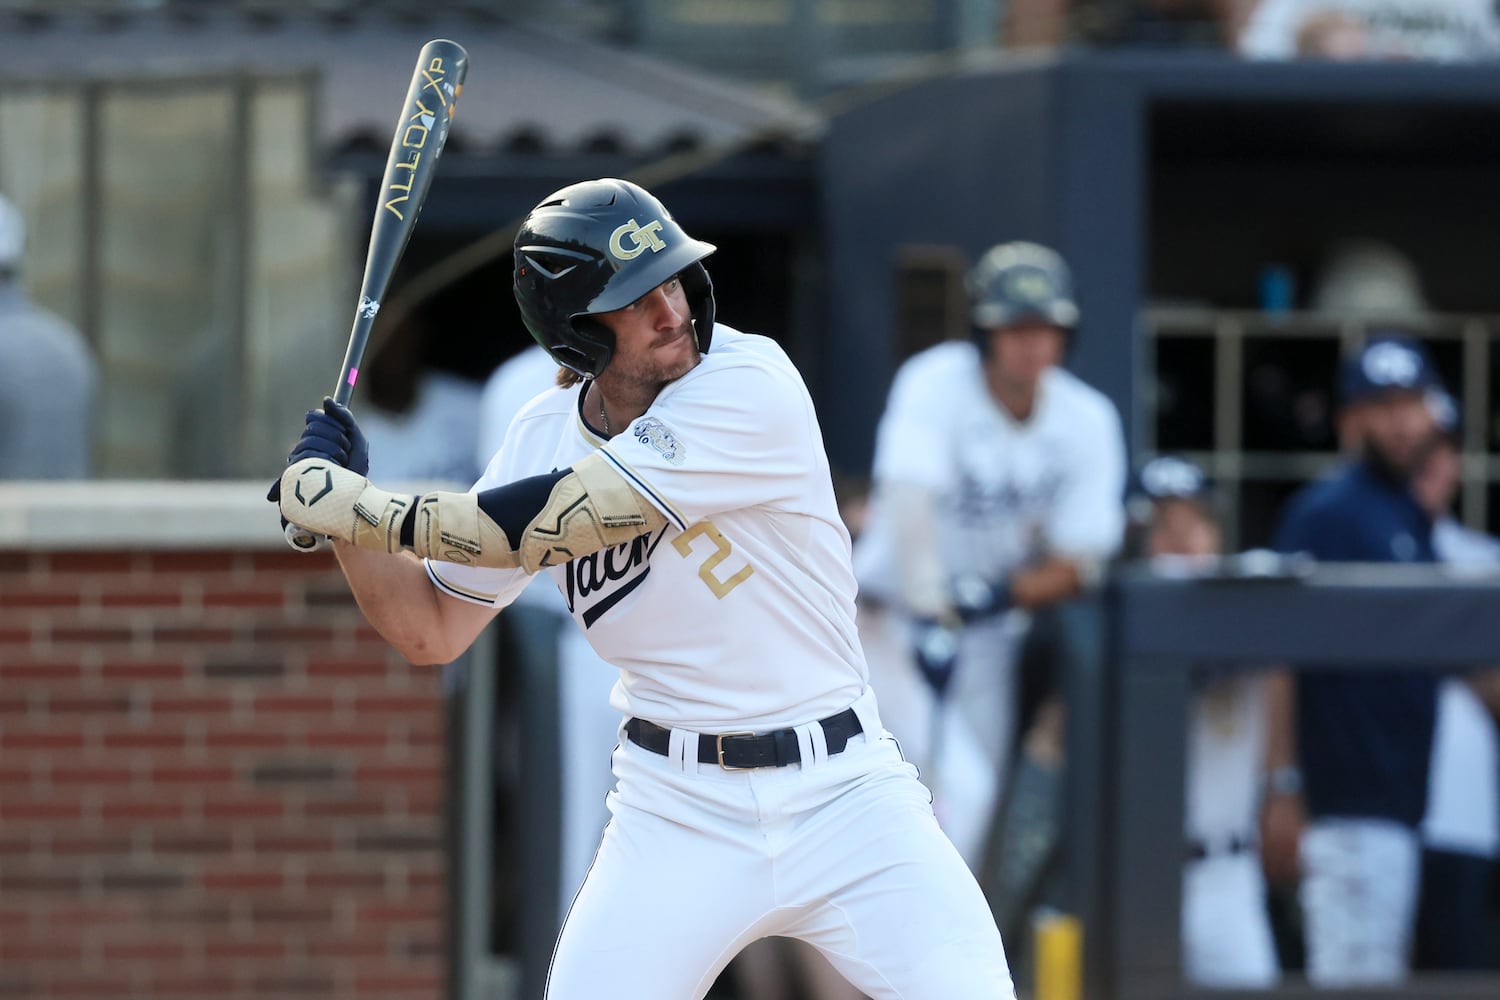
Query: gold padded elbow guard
[(589, 509)]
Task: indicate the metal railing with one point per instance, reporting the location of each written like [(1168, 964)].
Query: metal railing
[(1127, 769)]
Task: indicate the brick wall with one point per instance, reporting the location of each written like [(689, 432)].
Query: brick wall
[(215, 781)]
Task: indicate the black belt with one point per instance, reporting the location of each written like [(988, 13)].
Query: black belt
[(742, 750)]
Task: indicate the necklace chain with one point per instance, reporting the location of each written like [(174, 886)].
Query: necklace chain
[(602, 415)]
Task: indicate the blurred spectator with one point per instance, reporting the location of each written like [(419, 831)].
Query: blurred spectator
[(1362, 738), (1226, 932), (510, 387), (422, 423), (588, 726), (997, 488), (1461, 830), (48, 377), (1433, 30), (1372, 281)]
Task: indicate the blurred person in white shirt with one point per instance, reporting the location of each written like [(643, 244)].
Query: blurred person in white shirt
[(1461, 830)]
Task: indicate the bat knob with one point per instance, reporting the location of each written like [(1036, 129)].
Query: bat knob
[(303, 540)]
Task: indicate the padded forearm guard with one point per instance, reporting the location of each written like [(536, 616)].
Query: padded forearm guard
[(589, 509), (329, 499)]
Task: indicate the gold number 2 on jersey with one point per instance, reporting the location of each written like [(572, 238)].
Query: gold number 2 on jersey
[(683, 543)]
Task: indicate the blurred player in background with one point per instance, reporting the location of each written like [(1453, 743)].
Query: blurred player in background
[(1461, 829), (586, 722), (1351, 748), (1226, 931), (997, 487), (48, 376), (421, 422)]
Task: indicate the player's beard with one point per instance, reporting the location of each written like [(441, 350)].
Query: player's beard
[(1385, 465), (646, 374)]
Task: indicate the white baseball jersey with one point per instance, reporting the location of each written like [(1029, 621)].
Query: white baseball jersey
[(1463, 801), (739, 614), (1395, 29), (1008, 491), (1226, 746)]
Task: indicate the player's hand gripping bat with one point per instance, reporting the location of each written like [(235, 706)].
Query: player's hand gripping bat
[(421, 132)]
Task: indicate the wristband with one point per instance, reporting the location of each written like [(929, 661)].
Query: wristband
[(1284, 781)]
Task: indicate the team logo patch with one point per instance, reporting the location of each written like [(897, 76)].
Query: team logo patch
[(654, 435), (633, 239)]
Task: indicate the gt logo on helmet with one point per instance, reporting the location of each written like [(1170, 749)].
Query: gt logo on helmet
[(1029, 285), (641, 238)]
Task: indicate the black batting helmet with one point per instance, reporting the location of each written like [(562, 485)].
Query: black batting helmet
[(1018, 281), (598, 246)]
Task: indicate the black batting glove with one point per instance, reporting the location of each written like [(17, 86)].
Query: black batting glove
[(975, 598), (935, 649), (330, 433)]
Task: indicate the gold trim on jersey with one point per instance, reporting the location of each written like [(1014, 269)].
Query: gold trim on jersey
[(644, 487), (474, 595)]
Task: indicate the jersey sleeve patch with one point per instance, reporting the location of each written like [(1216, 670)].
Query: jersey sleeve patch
[(655, 435)]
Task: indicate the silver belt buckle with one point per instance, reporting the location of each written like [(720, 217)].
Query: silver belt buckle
[(720, 744)]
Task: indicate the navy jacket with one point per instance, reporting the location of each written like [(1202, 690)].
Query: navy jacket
[(1364, 736)]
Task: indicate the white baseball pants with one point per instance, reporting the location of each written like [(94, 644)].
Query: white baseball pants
[(1226, 931), (1359, 898), (842, 852), (967, 775)]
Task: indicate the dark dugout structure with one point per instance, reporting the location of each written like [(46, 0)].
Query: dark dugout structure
[(1179, 186), (1163, 178)]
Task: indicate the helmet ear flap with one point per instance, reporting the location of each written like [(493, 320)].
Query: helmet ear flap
[(981, 339), (594, 333), (699, 289)]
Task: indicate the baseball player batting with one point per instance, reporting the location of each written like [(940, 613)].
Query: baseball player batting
[(680, 498)]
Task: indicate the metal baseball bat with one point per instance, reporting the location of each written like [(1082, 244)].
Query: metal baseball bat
[(421, 132)]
